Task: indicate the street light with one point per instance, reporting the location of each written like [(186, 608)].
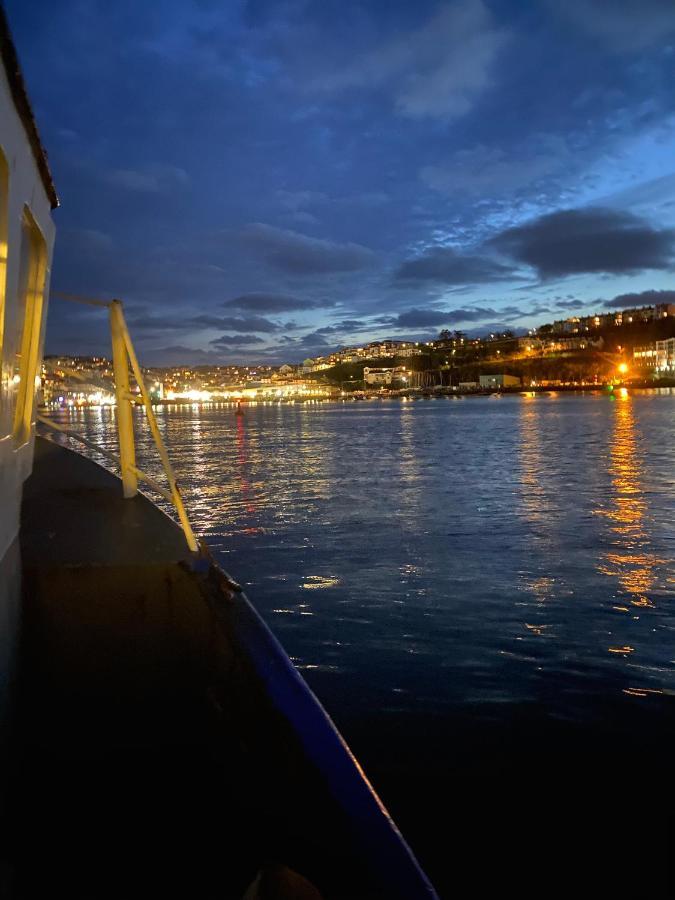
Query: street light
[(623, 368)]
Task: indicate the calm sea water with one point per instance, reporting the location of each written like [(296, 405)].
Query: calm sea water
[(440, 569)]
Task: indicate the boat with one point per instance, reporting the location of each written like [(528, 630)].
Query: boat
[(156, 738)]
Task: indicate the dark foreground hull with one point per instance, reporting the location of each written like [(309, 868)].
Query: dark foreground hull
[(164, 745)]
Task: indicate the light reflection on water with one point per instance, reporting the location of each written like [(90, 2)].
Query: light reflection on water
[(436, 555), (630, 561)]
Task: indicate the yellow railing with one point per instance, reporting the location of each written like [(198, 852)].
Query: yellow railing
[(124, 357)]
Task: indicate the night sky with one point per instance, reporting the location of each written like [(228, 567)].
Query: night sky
[(268, 180)]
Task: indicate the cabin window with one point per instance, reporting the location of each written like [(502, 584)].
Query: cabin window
[(4, 195), (32, 272)]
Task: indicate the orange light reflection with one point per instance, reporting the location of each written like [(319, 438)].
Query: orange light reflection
[(630, 560)]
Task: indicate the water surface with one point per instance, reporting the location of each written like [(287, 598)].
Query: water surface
[(442, 569)]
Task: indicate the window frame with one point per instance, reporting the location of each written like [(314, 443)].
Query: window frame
[(31, 297)]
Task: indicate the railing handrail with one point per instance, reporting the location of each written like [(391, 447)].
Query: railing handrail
[(51, 425), (124, 357)]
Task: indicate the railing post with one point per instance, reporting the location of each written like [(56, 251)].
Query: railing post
[(154, 429), (125, 422)]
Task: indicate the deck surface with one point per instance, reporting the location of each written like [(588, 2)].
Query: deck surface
[(74, 513)]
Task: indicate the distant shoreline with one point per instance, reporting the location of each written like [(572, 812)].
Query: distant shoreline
[(408, 394)]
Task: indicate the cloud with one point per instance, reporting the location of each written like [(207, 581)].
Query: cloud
[(537, 310), (577, 241), (180, 355), (270, 303), (437, 71), (428, 318), (622, 25), (445, 265), (311, 344), (235, 323), (89, 240), (238, 340), (312, 339), (301, 217), (569, 304), (420, 318), (481, 170), (344, 327), (149, 322), (643, 298), (151, 179), (299, 254), (297, 200)]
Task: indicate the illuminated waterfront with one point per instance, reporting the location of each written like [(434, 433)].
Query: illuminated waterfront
[(451, 573)]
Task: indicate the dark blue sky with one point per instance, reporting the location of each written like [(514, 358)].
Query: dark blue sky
[(267, 180)]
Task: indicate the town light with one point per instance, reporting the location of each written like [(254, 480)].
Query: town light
[(623, 368)]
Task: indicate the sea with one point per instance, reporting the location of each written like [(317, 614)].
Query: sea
[(480, 591)]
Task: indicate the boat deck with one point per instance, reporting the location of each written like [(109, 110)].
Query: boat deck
[(74, 514)]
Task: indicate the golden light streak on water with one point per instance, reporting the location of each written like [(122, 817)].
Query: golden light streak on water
[(630, 561), (534, 500), (317, 582)]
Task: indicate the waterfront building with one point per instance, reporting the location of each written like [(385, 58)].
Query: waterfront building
[(376, 376), (665, 356), (645, 356), (498, 381), (658, 357), (384, 376)]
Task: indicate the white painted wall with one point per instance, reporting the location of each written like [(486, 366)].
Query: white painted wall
[(25, 189)]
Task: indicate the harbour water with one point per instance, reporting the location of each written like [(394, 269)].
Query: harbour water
[(470, 586)]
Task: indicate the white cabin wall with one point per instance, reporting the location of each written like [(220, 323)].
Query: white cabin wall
[(25, 189)]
